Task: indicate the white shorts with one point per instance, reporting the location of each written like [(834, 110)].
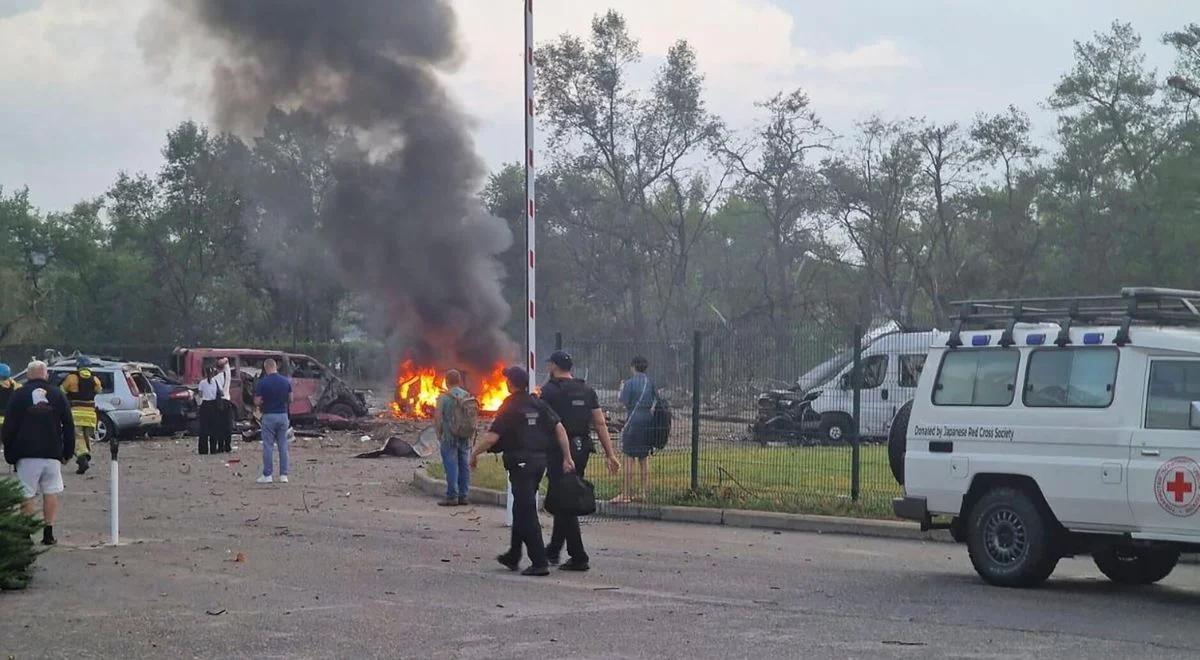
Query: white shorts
[(40, 475)]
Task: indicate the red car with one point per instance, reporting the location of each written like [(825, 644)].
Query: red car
[(316, 389)]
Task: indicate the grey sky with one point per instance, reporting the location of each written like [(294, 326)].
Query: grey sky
[(80, 103)]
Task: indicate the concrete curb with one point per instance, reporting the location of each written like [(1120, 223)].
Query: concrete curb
[(794, 522)]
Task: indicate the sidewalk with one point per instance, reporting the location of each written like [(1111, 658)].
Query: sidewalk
[(794, 522)]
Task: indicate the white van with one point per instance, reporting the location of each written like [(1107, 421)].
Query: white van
[(1032, 443), (821, 405), (890, 369)]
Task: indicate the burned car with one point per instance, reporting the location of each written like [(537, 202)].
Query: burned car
[(316, 389)]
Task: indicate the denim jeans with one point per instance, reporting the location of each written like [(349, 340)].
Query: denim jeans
[(274, 432), (455, 456)]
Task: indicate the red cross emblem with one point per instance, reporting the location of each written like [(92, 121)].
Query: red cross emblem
[(1179, 487), (1175, 486)]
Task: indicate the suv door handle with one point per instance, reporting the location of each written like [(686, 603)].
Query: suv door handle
[(1150, 452)]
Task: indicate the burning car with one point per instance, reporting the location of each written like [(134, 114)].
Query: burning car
[(418, 388), (316, 389)]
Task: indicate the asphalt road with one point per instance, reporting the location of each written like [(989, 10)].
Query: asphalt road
[(347, 561)]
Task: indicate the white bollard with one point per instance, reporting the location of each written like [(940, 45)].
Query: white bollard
[(114, 514), (508, 518)]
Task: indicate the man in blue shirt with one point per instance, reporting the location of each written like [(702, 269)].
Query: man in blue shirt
[(272, 396)]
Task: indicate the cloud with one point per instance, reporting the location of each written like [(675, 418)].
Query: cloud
[(883, 54), (13, 7)]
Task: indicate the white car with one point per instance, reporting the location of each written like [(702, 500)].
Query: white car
[(126, 403), (1031, 442)]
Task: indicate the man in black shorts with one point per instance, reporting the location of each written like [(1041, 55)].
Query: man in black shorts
[(577, 406), (525, 430)]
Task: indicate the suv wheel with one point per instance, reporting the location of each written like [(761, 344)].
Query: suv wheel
[(104, 428), (835, 429), (1010, 539), (898, 441), (1126, 564)]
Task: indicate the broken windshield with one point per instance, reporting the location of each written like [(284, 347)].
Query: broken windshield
[(820, 374)]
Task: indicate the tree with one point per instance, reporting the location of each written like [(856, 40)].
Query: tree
[(776, 178), (1008, 209), (875, 191), (635, 146), (17, 551)]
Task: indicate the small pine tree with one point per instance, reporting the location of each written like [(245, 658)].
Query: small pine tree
[(17, 550)]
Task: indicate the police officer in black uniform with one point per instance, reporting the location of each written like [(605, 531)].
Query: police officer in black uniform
[(579, 409), (524, 431)]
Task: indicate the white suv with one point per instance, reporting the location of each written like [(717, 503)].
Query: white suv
[(1060, 427)]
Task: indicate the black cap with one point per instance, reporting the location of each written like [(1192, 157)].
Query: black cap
[(518, 377), (562, 360)]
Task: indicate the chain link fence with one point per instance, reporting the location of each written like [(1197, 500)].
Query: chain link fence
[(794, 423)]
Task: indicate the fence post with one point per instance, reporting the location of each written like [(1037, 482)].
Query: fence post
[(558, 341), (856, 379), (696, 411)]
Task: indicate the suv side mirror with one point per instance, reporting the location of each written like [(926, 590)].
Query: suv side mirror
[(845, 384), (1194, 415)]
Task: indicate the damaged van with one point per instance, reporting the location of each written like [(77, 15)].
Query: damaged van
[(316, 389)]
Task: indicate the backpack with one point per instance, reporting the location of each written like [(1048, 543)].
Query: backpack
[(573, 410), (660, 428), (464, 416)]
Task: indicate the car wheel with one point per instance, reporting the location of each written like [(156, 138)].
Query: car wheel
[(341, 409), (1010, 540), (835, 429), (898, 442), (104, 428), (1127, 564)]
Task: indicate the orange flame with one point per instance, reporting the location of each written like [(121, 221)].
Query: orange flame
[(418, 388)]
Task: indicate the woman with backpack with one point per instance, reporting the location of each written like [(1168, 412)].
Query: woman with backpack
[(455, 418), (638, 395)]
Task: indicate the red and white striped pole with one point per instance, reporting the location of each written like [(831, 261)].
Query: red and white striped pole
[(530, 227), (530, 206)]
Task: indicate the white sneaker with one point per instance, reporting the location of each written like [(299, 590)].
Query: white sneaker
[(265, 480), (283, 478)]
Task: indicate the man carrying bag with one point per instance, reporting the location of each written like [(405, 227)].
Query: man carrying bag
[(570, 495)]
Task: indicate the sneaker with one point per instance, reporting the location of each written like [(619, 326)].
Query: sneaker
[(536, 571), (506, 560), (283, 478), (575, 565), (462, 501), (449, 501), (554, 558), (84, 463), (48, 536), (265, 480)]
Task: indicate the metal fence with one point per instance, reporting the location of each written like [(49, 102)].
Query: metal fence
[(781, 423)]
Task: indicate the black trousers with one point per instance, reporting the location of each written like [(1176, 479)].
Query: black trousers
[(566, 528), (215, 428), (525, 476)]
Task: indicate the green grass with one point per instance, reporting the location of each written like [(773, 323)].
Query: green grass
[(785, 479)]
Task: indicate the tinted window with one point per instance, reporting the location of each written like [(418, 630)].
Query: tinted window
[(977, 378), (874, 369), (910, 369), (1173, 387), (1071, 378)]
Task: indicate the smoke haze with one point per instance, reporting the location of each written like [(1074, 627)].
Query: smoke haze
[(403, 222)]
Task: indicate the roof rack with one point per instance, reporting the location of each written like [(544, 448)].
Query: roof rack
[(1134, 305)]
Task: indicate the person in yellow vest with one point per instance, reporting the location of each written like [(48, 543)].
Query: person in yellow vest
[(7, 387), (81, 387)]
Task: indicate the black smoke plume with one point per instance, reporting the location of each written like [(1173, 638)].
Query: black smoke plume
[(403, 222)]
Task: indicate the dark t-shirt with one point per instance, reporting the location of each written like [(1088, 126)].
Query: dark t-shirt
[(525, 425), (274, 390), (574, 402)]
